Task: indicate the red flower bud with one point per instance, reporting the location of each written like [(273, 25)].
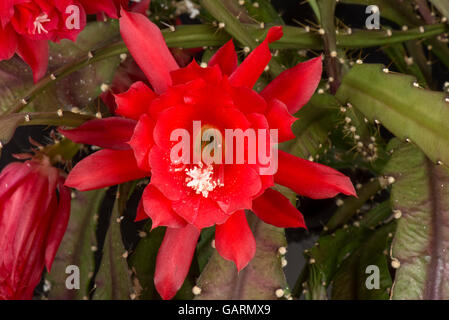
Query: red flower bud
[(34, 212)]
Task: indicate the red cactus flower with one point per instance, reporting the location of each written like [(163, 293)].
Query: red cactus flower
[(187, 197), (34, 212), (26, 26)]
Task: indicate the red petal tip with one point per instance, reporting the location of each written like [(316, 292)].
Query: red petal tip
[(274, 34)]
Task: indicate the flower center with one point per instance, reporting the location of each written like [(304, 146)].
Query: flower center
[(42, 18), (202, 179)]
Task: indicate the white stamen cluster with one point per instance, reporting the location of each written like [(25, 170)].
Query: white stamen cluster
[(43, 17), (201, 179)]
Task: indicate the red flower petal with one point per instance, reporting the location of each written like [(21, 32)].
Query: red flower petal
[(199, 211), (146, 44), (158, 208), (279, 118), (99, 6), (234, 240), (134, 102), (8, 42), (183, 116), (13, 176), (6, 12), (141, 7), (174, 259), (25, 227), (140, 214), (104, 168), (142, 141), (247, 100), (311, 179), (275, 209), (193, 71), (240, 184), (225, 58), (252, 67), (295, 86), (111, 133), (35, 54), (59, 224), (259, 121)]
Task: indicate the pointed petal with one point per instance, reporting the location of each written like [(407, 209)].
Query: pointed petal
[(234, 240), (104, 168), (174, 259), (193, 71), (252, 67), (58, 225), (134, 102), (225, 58), (159, 209), (311, 179), (110, 133), (279, 118), (35, 54), (199, 211), (275, 209), (142, 141), (295, 86), (8, 42), (241, 183), (147, 45)]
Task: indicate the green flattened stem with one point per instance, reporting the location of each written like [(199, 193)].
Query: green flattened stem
[(77, 247), (201, 35), (327, 259), (9, 123), (442, 6), (113, 280), (420, 199), (262, 279), (397, 102)]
